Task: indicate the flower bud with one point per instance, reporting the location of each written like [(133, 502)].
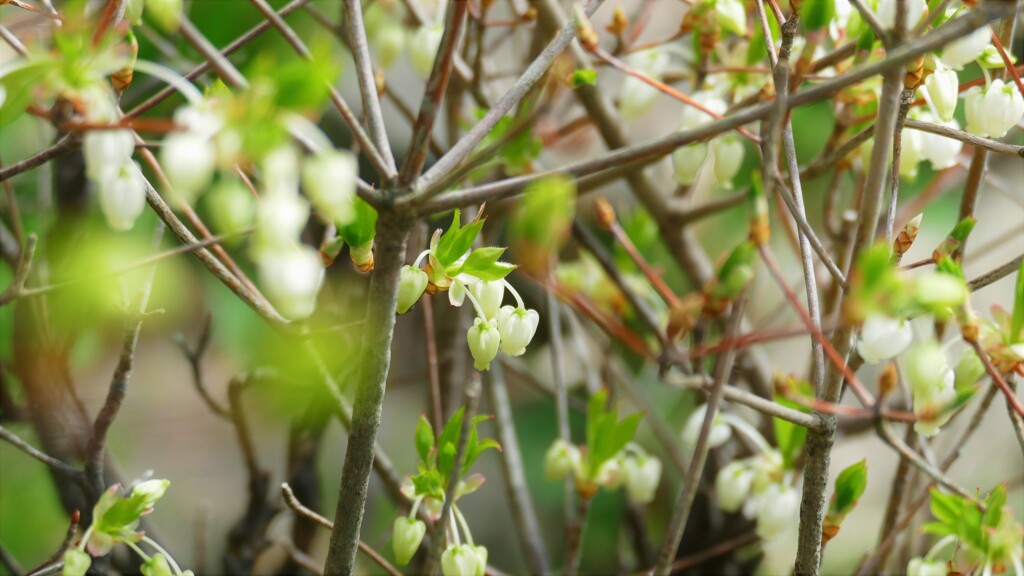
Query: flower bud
[(123, 195), (941, 151), (291, 277), (943, 88), (931, 384), (105, 151), (968, 368), (517, 327), (637, 96), (966, 49), (882, 338), (462, 560), (150, 491), (921, 567), (720, 430), (330, 183), (993, 111), (189, 161), (76, 562), (732, 16), (937, 291), (910, 153), (687, 162), (362, 256), (732, 485), (642, 474), (406, 538), (423, 48), (166, 14), (611, 475), (483, 339), (280, 219), (231, 205), (562, 459), (156, 566), (410, 287), (727, 151), (779, 506), (488, 296)]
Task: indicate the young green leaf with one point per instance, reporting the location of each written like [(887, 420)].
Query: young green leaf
[(363, 227), (1017, 320), (424, 439), (849, 487), (457, 240), (483, 263), (586, 77)]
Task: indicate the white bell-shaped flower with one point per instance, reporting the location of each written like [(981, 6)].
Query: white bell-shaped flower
[(910, 153), (412, 283), (778, 509), (941, 151), (280, 171), (882, 338), (932, 386), (461, 560), (943, 88), (687, 162), (406, 538), (720, 430), (488, 295), (611, 475), (966, 49), (291, 277), (641, 474), (923, 567), (483, 339), (280, 219), (423, 48), (732, 485), (995, 109), (887, 12), (189, 161), (105, 151), (561, 460), (122, 195), (728, 158), (517, 327), (636, 96), (330, 183)]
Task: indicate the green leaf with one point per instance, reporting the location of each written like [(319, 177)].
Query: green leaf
[(544, 216), (428, 483), (595, 410), (849, 487), (585, 77), (19, 80), (790, 438), (363, 227), (424, 439), (483, 263), (994, 503), (606, 434), (457, 240), (816, 14)]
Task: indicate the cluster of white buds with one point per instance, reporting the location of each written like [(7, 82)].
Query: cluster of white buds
[(632, 468), (992, 111), (509, 328), (723, 156), (759, 485), (109, 166)]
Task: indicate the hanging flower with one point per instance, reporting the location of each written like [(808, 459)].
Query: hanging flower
[(517, 327), (483, 339), (489, 296), (720, 430), (562, 459), (291, 277), (641, 473), (411, 285), (123, 195), (406, 538), (330, 182), (993, 111), (966, 49), (732, 485), (943, 88), (779, 506), (882, 338)]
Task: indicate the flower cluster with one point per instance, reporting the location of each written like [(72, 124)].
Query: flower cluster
[(476, 274), (115, 520), (761, 486), (427, 489), (610, 459)]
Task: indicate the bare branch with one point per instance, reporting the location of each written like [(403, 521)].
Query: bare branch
[(360, 49), (56, 464)]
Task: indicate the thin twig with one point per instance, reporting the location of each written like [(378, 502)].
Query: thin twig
[(360, 49), (21, 272), (996, 274), (65, 144), (56, 464), (992, 145)]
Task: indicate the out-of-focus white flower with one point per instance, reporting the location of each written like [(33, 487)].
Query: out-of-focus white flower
[(280, 219), (993, 111), (461, 560), (966, 49), (483, 339), (687, 162), (637, 96), (105, 151), (910, 153), (330, 183), (231, 206), (728, 157), (423, 48), (732, 485), (720, 430), (937, 149), (882, 338), (887, 12), (122, 195), (280, 171), (641, 474), (932, 386), (562, 459), (611, 475), (779, 505), (943, 88), (517, 327), (732, 16), (189, 161), (291, 278)]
